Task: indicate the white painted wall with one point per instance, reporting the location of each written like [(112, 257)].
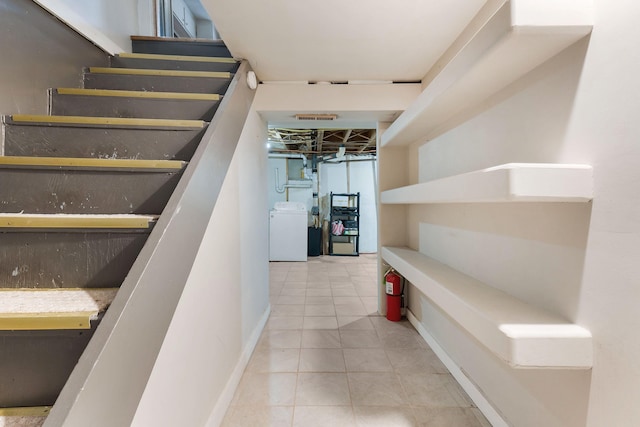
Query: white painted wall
[(225, 302), (107, 23), (576, 260)]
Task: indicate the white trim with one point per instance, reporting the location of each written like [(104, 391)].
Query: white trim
[(222, 405), (474, 393)]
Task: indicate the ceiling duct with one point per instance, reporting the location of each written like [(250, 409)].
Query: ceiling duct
[(316, 116)]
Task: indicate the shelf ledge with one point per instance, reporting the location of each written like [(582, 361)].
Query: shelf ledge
[(518, 333), (511, 182), (520, 36)]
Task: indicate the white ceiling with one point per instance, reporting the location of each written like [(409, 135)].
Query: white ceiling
[(340, 40)]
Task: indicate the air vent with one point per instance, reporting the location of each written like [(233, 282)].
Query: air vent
[(316, 116)]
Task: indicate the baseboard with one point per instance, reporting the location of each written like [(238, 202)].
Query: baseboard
[(219, 411), (474, 393)]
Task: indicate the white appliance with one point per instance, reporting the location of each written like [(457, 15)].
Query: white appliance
[(288, 232)]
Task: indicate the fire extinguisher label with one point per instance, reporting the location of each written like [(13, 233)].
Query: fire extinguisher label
[(389, 288)]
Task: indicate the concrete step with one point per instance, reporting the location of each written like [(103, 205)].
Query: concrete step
[(69, 251), (132, 104), (101, 137), (179, 46), (173, 62), (50, 185), (156, 80)]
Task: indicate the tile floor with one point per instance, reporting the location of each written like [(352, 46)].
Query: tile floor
[(327, 359)]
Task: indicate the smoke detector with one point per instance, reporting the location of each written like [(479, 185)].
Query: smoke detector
[(316, 117)]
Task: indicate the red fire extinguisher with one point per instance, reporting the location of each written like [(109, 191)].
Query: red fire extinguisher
[(394, 290)]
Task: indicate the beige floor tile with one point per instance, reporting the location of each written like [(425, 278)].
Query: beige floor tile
[(319, 300), (351, 338), (287, 309), (366, 290), (284, 322), (312, 338), (266, 389), (296, 276), (376, 389), (415, 360), (318, 285), (355, 322), (317, 276), (354, 309), (275, 338), (319, 292), (338, 271), (370, 303), (321, 389), (399, 339), (341, 283), (319, 310), (347, 291), (449, 417), (321, 360), (385, 416), (264, 416), (293, 292), (285, 299), (432, 390), (323, 416), (295, 285), (274, 360), (346, 300), (367, 360), (320, 322)]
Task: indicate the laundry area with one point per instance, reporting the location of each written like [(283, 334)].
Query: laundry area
[(322, 193)]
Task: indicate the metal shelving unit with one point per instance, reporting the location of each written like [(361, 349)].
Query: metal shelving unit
[(344, 223)]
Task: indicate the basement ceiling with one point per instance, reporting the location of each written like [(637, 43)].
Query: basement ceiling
[(322, 142), (341, 41)]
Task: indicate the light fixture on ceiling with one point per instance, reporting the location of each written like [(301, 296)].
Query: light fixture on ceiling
[(341, 151)]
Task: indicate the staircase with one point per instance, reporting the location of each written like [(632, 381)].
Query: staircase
[(81, 191)]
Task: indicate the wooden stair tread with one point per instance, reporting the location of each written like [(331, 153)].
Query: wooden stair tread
[(119, 221), (102, 121), (46, 309), (139, 94), (167, 73), (177, 57), (81, 162)]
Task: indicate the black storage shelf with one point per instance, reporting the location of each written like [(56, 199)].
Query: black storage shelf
[(344, 219)]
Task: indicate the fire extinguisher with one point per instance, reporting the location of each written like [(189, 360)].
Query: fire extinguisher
[(394, 290)]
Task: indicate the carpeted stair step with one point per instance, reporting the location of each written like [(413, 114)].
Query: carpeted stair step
[(156, 80), (24, 416), (179, 46), (173, 62), (132, 104), (69, 251), (44, 332), (50, 185), (101, 137)]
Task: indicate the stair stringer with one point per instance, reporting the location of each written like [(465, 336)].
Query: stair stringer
[(110, 378)]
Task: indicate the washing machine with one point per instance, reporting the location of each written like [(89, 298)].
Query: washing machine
[(288, 232)]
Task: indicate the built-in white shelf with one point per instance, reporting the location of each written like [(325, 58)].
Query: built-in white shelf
[(512, 182), (522, 335), (521, 35)]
